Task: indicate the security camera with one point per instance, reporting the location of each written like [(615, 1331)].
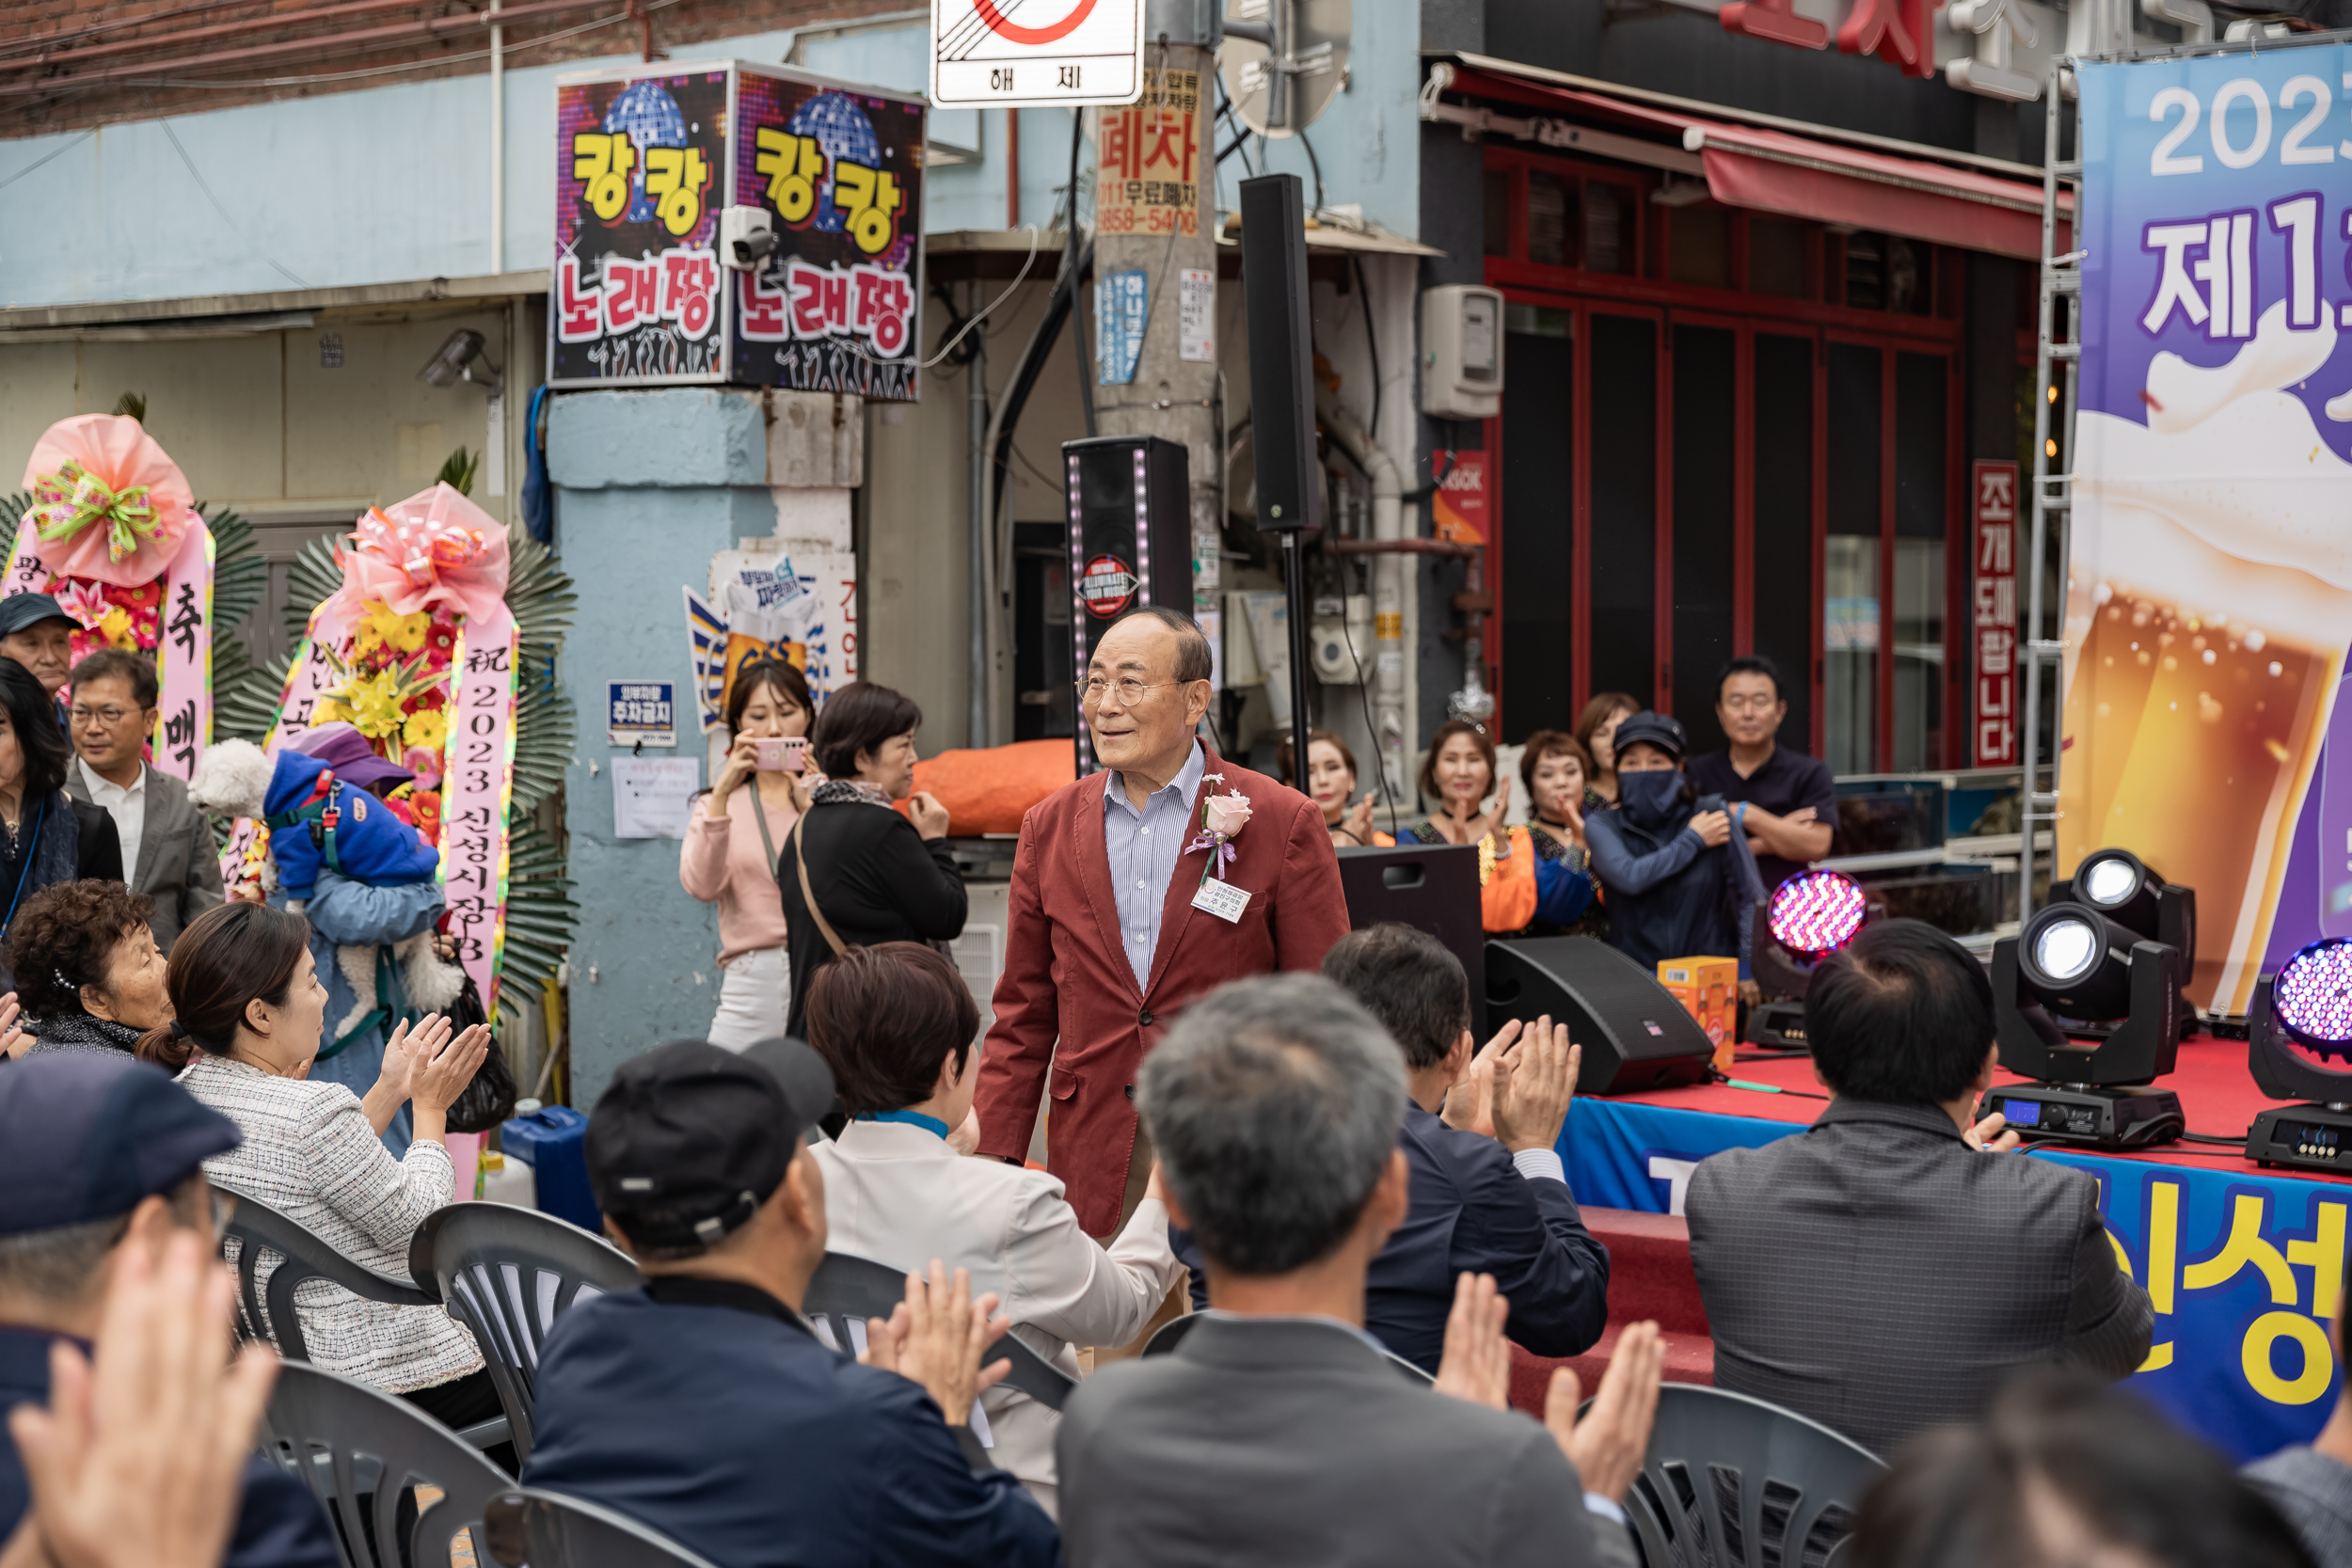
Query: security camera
[(460, 359), (747, 237)]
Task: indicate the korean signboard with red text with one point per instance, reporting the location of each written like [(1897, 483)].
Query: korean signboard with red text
[(1993, 507), (645, 163), (1149, 177)]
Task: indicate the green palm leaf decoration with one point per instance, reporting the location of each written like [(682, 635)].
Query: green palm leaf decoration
[(540, 914), (245, 694), (12, 513)]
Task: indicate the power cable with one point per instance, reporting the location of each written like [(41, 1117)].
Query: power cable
[(54, 152), (1371, 346), (1069, 259), (197, 175)]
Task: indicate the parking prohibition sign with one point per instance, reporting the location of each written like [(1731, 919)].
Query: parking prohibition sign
[(1055, 52)]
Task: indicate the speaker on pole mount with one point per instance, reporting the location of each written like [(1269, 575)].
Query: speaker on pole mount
[(1130, 501), (1635, 1035)]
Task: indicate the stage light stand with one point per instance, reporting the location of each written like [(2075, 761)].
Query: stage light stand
[(2315, 1011), (2095, 1077), (1824, 907)]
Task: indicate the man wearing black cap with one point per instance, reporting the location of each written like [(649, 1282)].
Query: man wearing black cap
[(101, 1153), (704, 1404), (36, 632)]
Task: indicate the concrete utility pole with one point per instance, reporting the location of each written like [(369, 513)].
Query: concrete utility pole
[(1155, 206)]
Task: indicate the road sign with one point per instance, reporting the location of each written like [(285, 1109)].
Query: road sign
[(1003, 54)]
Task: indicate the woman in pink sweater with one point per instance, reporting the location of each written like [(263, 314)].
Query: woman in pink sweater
[(729, 858)]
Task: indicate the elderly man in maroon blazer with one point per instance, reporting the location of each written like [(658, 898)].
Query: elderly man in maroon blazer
[(1133, 891)]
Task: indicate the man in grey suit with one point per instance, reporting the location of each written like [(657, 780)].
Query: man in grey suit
[(1884, 1270), (1279, 1433), (166, 845)]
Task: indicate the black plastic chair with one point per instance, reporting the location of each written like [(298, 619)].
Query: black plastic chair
[(258, 1227), (1731, 1481), (361, 1452), (1170, 1333), (507, 1274), (547, 1529), (848, 1290)]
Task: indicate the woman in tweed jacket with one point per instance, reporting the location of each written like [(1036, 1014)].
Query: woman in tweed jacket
[(249, 1008)]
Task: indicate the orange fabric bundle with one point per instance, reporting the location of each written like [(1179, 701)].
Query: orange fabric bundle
[(1507, 902), (988, 791)]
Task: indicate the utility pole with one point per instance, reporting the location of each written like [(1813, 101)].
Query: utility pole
[(1155, 267)]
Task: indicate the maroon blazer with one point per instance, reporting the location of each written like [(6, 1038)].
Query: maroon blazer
[(1066, 979)]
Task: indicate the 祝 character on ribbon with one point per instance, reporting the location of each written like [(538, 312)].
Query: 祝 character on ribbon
[(114, 536), (416, 651)]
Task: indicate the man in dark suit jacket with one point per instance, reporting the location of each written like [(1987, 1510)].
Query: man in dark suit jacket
[(1105, 940), (1496, 1205), (1884, 1270), (166, 845), (1279, 1433)]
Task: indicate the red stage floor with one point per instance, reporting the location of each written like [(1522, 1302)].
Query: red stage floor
[(2218, 1095)]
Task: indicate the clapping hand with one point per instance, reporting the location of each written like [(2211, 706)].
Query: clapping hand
[(11, 1031), (935, 1337), (1476, 1364), (443, 1071), (1470, 1104), (1357, 824), (139, 1464), (1606, 1447), (1532, 1084), (1472, 828)]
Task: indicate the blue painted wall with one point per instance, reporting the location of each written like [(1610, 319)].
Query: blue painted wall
[(649, 485)]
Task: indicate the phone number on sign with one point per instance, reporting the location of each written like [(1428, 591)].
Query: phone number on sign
[(1148, 220)]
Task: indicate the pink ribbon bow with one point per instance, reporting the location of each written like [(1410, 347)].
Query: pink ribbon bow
[(435, 551), (104, 470)]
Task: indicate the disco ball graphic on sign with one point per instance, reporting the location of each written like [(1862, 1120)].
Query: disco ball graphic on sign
[(651, 118), (846, 136), (1108, 586)]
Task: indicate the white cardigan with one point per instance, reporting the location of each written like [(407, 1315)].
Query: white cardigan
[(896, 1193), (310, 1153)]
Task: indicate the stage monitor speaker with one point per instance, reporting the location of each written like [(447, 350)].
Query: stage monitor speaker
[(1130, 540), (1635, 1035), (1430, 887), (1282, 352)]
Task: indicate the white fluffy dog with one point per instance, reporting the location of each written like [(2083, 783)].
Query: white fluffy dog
[(232, 778)]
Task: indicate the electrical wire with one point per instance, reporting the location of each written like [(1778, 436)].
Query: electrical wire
[(54, 152), (1316, 164), (2238, 1142), (432, 62), (991, 304), (1371, 346), (197, 175), (1070, 260)]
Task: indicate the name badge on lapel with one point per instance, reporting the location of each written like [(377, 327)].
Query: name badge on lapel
[(1221, 899)]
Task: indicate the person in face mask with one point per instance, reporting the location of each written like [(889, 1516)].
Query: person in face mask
[(1680, 881)]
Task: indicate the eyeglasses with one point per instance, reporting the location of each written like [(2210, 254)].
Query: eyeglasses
[(1094, 687), (107, 716)]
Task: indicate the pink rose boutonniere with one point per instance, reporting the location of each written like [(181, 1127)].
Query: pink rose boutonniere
[(1222, 818)]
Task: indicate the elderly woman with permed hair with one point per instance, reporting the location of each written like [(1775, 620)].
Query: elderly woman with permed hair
[(88, 973)]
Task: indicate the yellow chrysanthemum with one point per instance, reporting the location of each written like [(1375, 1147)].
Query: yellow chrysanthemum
[(384, 629), (375, 705), (427, 727), (328, 710), (115, 627)]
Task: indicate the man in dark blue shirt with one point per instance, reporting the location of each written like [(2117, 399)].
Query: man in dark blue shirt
[(99, 1153), (704, 1404), (1791, 798), (1496, 1205)]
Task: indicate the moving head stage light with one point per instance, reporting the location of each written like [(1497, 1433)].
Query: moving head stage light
[(1808, 918), (2091, 1009), (2308, 1002)]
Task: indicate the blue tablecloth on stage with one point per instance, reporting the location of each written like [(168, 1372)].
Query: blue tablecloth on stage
[(2245, 1270)]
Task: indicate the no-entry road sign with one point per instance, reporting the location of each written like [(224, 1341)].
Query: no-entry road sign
[(1007, 54)]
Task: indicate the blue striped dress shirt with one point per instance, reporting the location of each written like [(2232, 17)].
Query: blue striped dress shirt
[(1144, 848)]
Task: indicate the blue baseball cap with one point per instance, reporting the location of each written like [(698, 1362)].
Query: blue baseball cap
[(19, 611), (84, 1136)]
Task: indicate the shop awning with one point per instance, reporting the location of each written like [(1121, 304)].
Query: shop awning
[(1805, 171)]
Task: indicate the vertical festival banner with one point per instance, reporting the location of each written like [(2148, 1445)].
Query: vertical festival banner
[(2209, 595), (836, 307)]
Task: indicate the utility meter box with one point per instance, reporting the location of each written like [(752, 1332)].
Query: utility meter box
[(1461, 352)]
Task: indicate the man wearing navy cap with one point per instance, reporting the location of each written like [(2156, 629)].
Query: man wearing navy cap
[(98, 1153), (36, 632), (704, 1404)]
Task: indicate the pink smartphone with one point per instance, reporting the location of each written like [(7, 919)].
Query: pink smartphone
[(784, 754)]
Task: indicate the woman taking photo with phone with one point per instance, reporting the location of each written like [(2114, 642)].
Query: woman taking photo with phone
[(729, 856)]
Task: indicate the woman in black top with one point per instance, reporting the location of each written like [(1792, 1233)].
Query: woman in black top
[(46, 837), (88, 972), (873, 876)]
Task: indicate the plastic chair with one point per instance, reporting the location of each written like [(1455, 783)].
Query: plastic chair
[(1734, 1482), (854, 1289), (360, 1451), (303, 1257), (547, 1529), (1170, 1333), (507, 1274)]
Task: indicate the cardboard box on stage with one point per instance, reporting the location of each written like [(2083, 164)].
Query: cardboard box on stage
[(1709, 990)]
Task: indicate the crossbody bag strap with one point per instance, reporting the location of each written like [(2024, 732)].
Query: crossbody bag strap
[(799, 862), (766, 842)]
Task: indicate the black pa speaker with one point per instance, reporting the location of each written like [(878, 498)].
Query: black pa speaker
[(1130, 540), (1430, 887), (1282, 352), (1635, 1035)]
